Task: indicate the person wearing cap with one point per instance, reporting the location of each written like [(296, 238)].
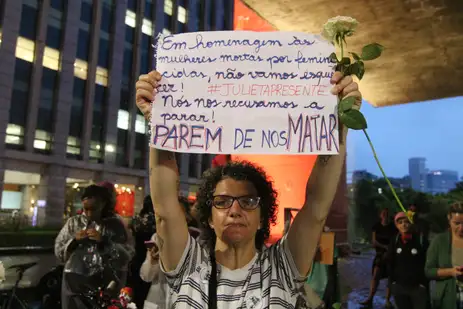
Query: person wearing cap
[(406, 258)]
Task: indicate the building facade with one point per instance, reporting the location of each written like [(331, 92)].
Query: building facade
[(418, 174), (67, 106), (442, 181)]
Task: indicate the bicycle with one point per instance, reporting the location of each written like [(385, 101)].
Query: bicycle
[(12, 297)]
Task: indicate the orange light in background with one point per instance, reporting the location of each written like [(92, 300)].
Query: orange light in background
[(125, 202), (289, 172)]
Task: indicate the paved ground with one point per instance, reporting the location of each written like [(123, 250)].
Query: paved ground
[(355, 275)]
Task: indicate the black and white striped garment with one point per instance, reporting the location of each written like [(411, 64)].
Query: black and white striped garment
[(270, 280)]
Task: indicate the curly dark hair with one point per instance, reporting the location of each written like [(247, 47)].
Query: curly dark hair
[(102, 194), (237, 170)]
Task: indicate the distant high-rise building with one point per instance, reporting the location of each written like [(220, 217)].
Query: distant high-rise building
[(441, 181), (418, 174)]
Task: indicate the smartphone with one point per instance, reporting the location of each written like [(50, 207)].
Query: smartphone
[(150, 244)]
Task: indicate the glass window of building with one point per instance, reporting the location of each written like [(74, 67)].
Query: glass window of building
[(149, 9), (206, 162), (107, 16), (192, 165), (77, 112), (20, 99), (107, 19), (47, 101), (98, 121), (53, 37), (200, 15), (145, 54), (28, 25), (181, 16), (121, 153), (103, 53), (132, 5), (58, 4), (83, 44), (86, 11), (211, 11), (141, 144)]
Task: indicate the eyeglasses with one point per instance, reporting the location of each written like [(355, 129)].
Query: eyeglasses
[(226, 201)]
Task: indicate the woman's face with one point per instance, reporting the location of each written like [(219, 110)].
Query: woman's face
[(92, 207), (234, 223), (456, 224)]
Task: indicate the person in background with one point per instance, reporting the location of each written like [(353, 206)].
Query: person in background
[(444, 262), (143, 226), (158, 296), (406, 258), (383, 232), (420, 225), (94, 247)]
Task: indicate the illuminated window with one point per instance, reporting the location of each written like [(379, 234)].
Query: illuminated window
[(166, 31), (123, 119), (95, 151), (25, 49), (101, 77), (140, 124), (147, 27), (73, 145), (42, 140), (14, 134), (181, 14), (51, 58), (80, 69), (168, 7), (110, 148), (130, 18)]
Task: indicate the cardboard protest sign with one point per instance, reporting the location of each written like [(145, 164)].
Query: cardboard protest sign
[(245, 92), (327, 244)]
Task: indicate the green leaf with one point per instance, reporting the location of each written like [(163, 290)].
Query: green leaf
[(353, 119), (337, 306), (346, 104), (357, 69), (371, 51), (356, 56), (345, 61), (334, 58)]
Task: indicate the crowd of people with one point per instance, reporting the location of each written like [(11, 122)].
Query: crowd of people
[(227, 264), (213, 254), (410, 263)]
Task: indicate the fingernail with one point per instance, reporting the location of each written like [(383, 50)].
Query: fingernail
[(334, 90)]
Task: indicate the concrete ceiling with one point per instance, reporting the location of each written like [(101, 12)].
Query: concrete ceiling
[(424, 41)]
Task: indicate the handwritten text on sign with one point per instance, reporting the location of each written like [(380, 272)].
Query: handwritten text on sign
[(245, 92)]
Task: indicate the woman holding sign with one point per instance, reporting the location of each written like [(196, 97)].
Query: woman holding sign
[(236, 205)]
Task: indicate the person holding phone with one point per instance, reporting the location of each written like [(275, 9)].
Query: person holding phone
[(444, 262), (94, 248)]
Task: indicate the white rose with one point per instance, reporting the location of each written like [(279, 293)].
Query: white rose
[(343, 25)]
